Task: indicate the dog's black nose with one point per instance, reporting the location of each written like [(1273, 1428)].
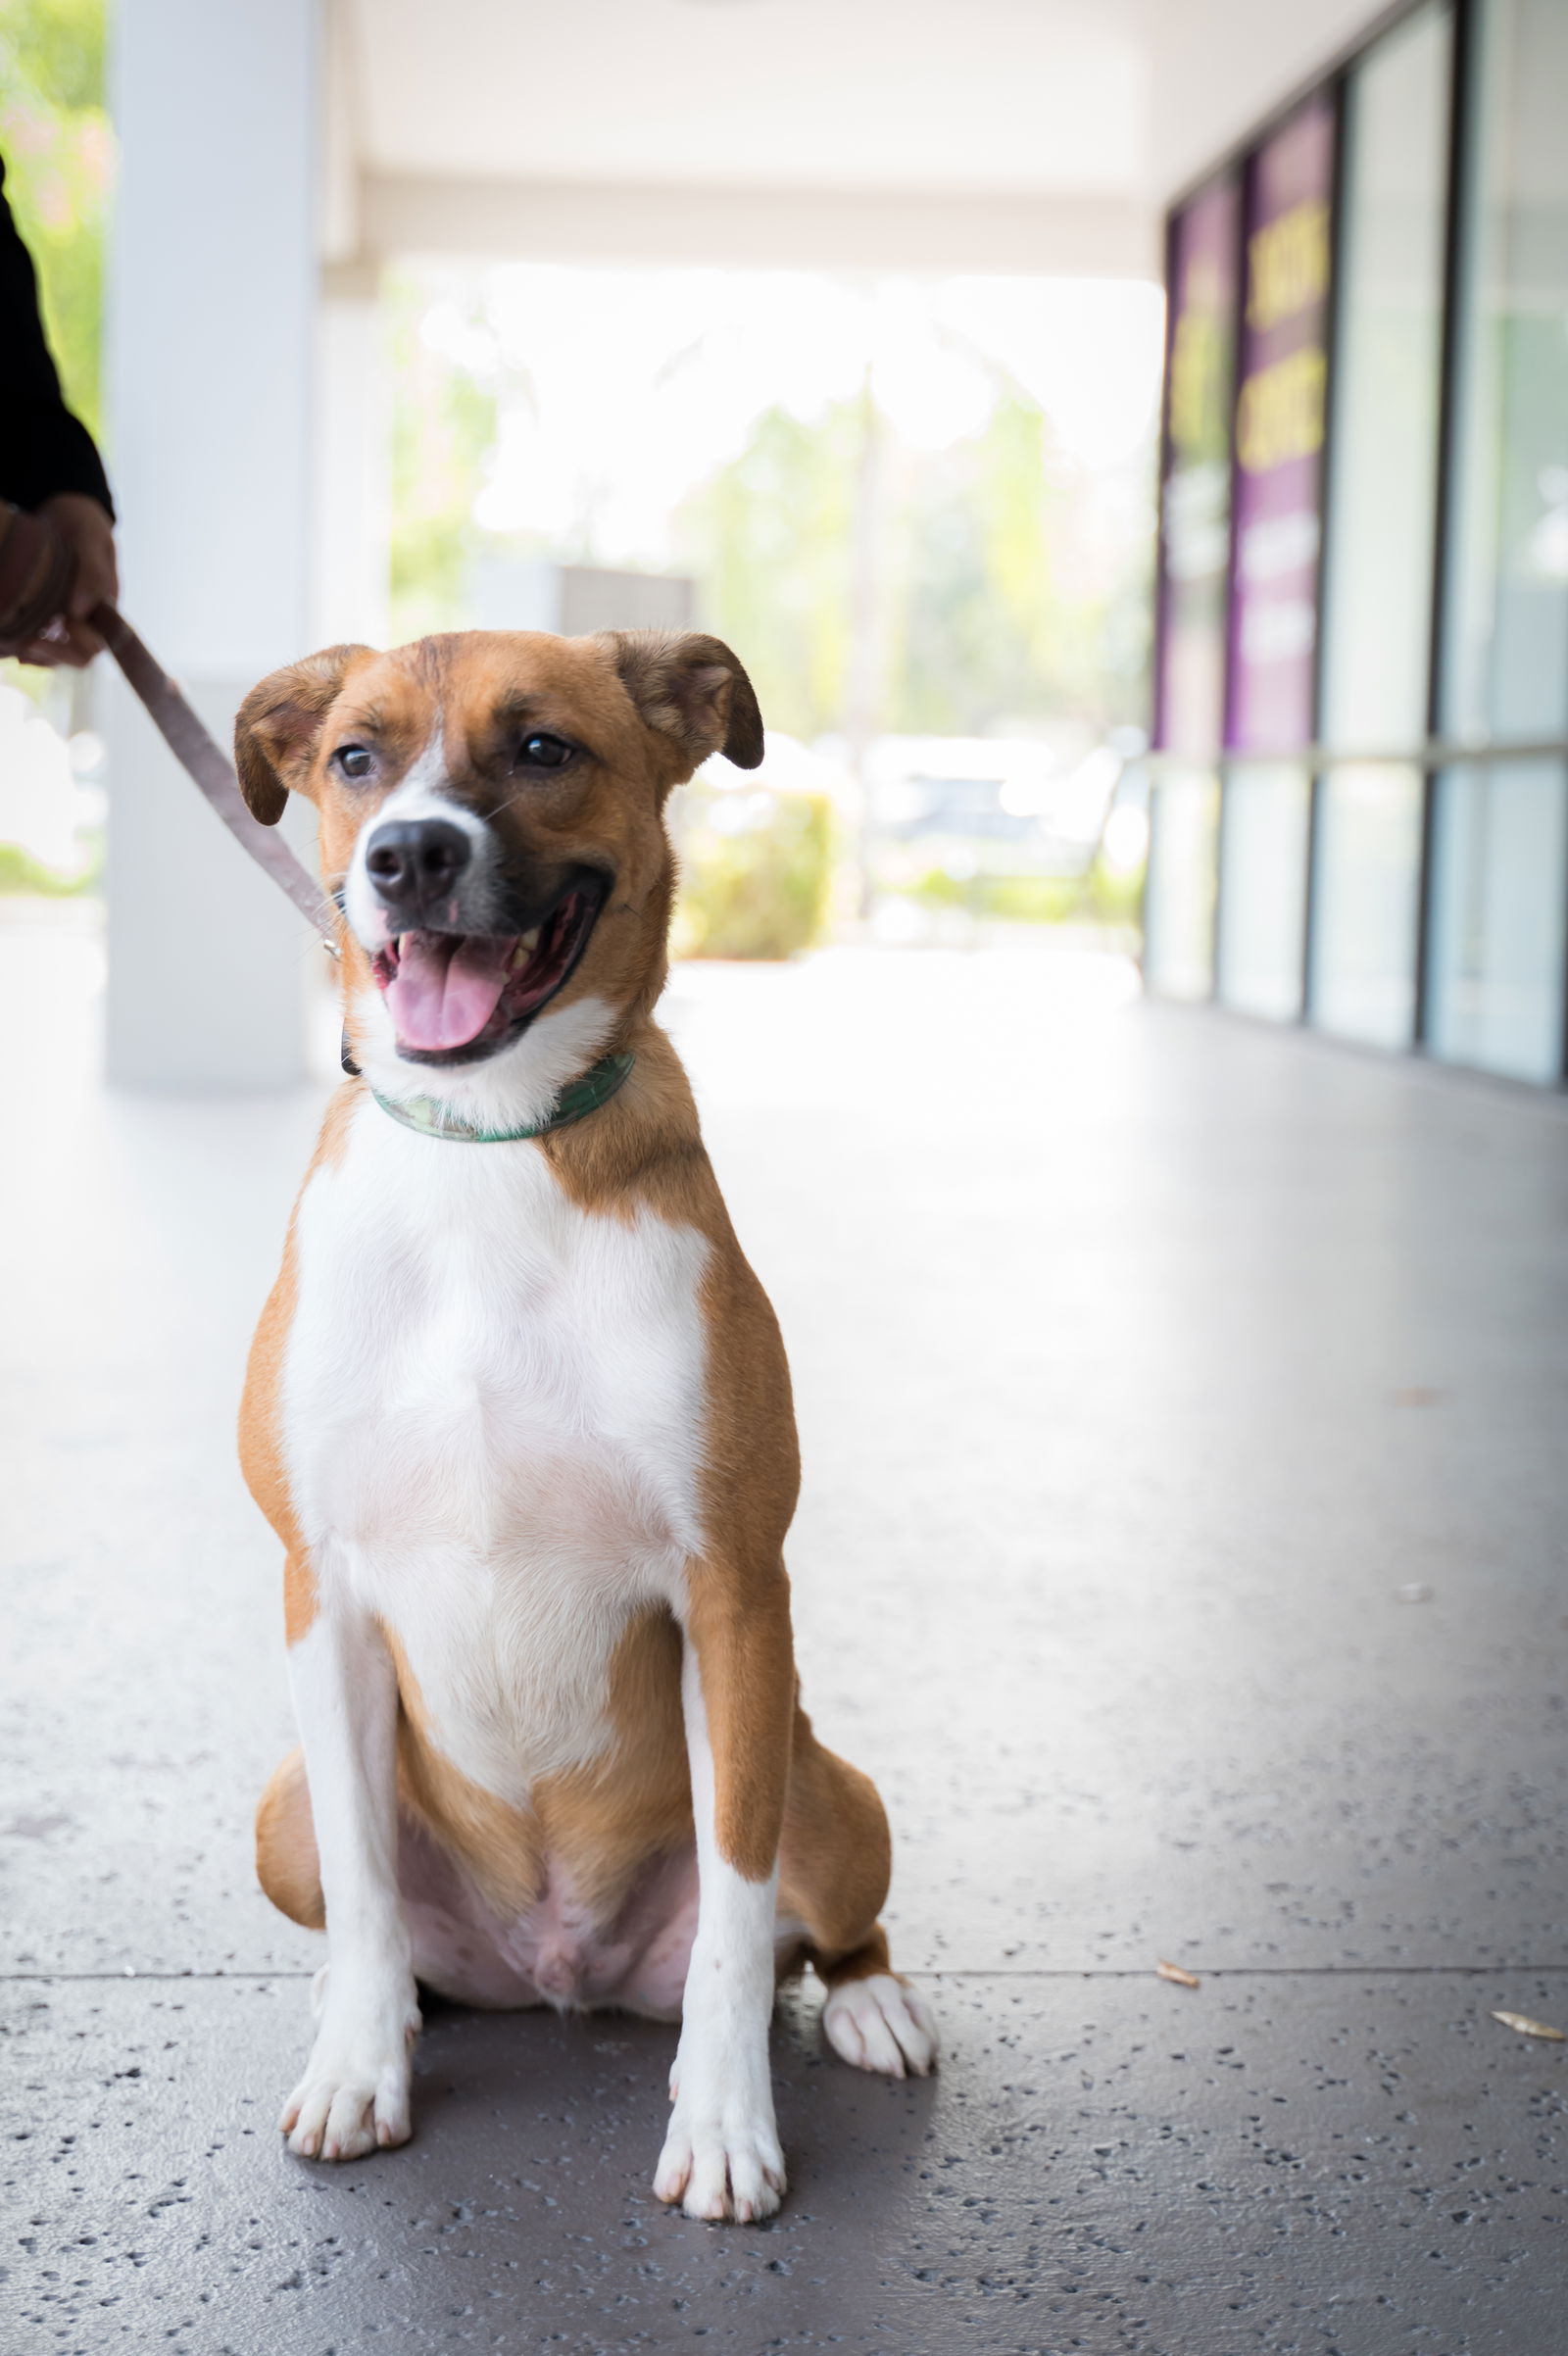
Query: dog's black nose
[(414, 863)]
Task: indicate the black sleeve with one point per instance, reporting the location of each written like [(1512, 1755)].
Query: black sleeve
[(43, 448)]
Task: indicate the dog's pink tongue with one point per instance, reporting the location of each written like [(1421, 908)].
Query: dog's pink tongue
[(446, 987)]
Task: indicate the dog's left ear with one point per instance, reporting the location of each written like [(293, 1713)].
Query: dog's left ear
[(278, 722), (693, 690)]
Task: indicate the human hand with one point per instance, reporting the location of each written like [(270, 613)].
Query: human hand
[(87, 531)]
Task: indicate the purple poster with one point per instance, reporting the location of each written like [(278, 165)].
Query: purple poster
[(1279, 435), (1196, 492)]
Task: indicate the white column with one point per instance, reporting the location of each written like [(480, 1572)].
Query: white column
[(211, 382)]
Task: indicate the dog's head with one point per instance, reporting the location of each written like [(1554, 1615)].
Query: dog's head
[(491, 813)]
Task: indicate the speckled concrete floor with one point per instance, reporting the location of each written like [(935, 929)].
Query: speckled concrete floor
[(1183, 1410)]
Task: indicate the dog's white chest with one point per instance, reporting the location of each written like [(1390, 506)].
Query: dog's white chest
[(492, 1405)]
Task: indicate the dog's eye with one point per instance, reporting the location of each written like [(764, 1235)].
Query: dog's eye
[(539, 752), (355, 760)]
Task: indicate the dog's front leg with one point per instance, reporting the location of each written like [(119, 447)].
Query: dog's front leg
[(721, 2157), (355, 2091)]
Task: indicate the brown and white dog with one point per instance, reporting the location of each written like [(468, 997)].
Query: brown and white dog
[(519, 1412)]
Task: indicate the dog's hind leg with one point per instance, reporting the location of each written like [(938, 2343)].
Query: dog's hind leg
[(836, 1861), (873, 2018), (288, 1866)]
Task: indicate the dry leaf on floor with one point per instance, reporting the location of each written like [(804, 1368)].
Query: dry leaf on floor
[(1173, 1971), (1529, 2028)]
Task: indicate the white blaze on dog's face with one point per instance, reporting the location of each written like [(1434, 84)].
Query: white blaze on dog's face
[(491, 816)]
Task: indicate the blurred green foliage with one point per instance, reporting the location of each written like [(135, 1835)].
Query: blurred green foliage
[(1000, 609), (21, 872), (1100, 896), (59, 152), (1001, 584), (757, 889), (768, 536), (443, 430), (1006, 613)]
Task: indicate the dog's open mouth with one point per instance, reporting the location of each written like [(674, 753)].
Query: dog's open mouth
[(455, 997)]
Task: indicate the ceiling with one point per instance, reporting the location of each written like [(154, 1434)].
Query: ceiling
[(845, 93), (486, 122)]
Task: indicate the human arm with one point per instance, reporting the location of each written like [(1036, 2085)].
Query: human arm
[(48, 461)]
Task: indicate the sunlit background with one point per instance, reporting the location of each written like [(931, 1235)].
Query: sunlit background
[(919, 508)]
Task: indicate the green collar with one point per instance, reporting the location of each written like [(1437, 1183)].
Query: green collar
[(576, 1100)]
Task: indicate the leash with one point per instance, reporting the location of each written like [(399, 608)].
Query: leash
[(199, 756), (35, 572)]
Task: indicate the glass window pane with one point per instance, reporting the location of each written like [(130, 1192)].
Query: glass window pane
[(1279, 435), (1365, 899), (1262, 891), (1196, 503), (1506, 650), (1498, 894), (1179, 904), (1383, 484)]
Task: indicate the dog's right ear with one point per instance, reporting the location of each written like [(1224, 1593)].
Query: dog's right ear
[(278, 722)]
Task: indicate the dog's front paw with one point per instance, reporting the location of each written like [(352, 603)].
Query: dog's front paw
[(721, 2160), (881, 2024), (343, 2109), (355, 2094)]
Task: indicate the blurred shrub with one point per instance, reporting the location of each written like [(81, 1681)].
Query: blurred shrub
[(1102, 896), (21, 872), (755, 870), (1022, 899)]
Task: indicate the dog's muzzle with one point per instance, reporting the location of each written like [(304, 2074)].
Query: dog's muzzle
[(457, 989)]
